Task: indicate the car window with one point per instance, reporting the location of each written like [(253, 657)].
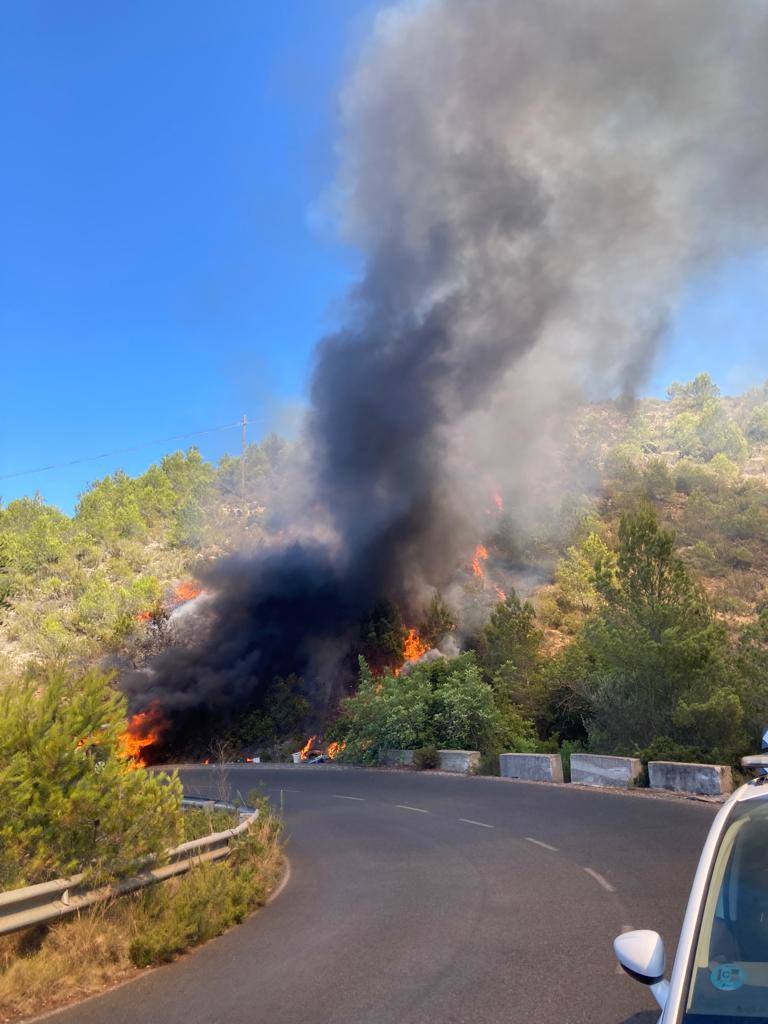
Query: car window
[(729, 976)]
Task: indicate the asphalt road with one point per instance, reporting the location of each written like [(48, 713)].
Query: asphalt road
[(416, 898)]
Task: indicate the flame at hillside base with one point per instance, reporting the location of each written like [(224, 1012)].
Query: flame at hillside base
[(334, 749), (187, 590), (480, 556), (478, 566), (144, 730), (414, 647)]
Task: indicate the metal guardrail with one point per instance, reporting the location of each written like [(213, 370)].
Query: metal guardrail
[(49, 901)]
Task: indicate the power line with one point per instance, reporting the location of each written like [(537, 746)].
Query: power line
[(122, 451)]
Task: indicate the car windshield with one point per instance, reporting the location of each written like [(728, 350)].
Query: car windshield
[(729, 976)]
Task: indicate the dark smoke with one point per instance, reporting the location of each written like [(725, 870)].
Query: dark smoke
[(532, 183)]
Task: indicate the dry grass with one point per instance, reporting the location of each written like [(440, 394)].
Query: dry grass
[(90, 952), (73, 959)]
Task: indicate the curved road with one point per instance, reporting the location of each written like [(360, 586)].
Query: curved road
[(417, 897)]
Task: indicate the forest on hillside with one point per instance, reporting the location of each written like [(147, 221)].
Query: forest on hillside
[(633, 616)]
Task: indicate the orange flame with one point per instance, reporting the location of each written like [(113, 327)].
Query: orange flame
[(87, 741), (304, 752), (207, 760), (480, 556), (334, 749), (143, 730), (498, 501), (414, 647), (501, 594), (187, 590)]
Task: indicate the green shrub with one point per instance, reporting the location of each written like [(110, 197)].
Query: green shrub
[(752, 668), (663, 748), (653, 661), (489, 762), (202, 821), (209, 899), (425, 757), (658, 482), (704, 557), (575, 574), (442, 703), (692, 476), (731, 604), (511, 634), (704, 428), (71, 799), (567, 748), (757, 428)]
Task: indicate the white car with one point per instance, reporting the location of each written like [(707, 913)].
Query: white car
[(720, 973)]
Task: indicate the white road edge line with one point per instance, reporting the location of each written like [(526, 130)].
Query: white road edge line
[(282, 884), (407, 807), (339, 796), (600, 880), (538, 842), (482, 824)]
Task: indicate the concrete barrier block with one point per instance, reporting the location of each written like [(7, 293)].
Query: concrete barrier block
[(708, 779), (396, 758), (531, 767), (605, 771), (462, 761)]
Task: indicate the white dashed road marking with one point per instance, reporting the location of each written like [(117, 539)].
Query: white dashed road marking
[(482, 824), (603, 882), (538, 842), (407, 807), (339, 796)]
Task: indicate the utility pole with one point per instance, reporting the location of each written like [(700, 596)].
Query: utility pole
[(242, 460)]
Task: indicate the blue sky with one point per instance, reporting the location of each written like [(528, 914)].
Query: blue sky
[(161, 271)]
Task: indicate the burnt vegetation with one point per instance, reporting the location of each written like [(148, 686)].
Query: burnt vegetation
[(634, 619)]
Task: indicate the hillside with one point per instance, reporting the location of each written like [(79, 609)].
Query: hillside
[(102, 581), (99, 582), (701, 461)]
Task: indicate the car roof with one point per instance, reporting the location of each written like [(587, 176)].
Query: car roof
[(757, 789)]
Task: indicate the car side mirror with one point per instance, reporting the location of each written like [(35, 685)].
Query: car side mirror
[(642, 956)]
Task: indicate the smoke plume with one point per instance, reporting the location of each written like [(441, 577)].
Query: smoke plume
[(532, 183)]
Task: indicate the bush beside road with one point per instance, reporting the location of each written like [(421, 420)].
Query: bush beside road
[(75, 801)]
